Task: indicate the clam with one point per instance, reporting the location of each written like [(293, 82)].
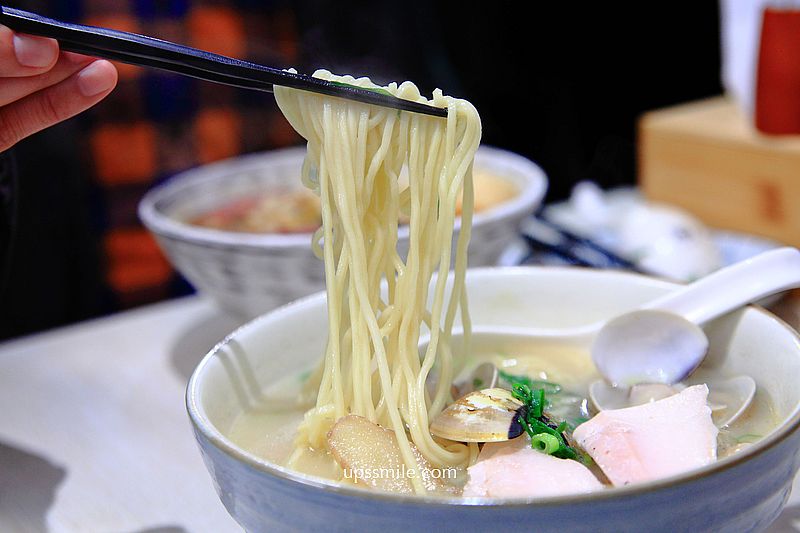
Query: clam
[(487, 415), (605, 397), (648, 346), (727, 397), (667, 351)]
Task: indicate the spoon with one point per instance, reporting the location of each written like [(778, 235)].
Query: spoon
[(661, 341), (642, 354)]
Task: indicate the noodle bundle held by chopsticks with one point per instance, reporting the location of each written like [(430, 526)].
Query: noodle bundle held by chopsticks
[(372, 366)]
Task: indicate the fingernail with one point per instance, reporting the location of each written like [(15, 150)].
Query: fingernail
[(34, 51), (94, 79)]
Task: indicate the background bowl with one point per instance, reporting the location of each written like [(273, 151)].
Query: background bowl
[(247, 273), (744, 492)]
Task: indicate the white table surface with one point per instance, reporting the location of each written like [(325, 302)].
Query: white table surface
[(94, 435)]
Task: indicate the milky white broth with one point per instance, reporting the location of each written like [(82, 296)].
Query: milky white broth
[(268, 430)]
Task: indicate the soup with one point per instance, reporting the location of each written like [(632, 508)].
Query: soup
[(269, 430), (298, 210), (281, 211)]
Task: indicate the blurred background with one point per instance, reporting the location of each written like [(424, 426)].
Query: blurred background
[(565, 86)]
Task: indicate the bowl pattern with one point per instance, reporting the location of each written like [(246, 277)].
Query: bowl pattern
[(245, 280)]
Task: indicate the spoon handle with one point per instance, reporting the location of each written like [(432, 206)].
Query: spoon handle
[(734, 286)]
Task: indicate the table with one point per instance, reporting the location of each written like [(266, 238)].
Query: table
[(94, 435)]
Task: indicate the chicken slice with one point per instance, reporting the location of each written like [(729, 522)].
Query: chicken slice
[(513, 469), (654, 440)]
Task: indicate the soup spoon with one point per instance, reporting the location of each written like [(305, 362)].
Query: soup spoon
[(642, 354), (661, 342)]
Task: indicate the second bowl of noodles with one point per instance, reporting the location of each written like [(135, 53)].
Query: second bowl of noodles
[(240, 230)]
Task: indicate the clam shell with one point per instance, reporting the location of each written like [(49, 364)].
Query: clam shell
[(488, 415), (728, 398), (731, 397), (648, 346)]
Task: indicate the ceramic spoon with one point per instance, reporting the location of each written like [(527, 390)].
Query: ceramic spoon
[(644, 354), (661, 342)]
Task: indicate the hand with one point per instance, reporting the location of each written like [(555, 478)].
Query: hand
[(40, 86)]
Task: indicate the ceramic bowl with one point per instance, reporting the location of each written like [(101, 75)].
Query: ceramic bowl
[(744, 492), (248, 274)]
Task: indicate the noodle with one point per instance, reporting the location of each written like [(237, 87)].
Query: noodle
[(372, 366)]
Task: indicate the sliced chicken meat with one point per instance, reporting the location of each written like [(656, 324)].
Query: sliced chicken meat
[(654, 440), (513, 469)]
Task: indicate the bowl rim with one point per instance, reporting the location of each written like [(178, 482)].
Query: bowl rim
[(204, 427), (530, 195)]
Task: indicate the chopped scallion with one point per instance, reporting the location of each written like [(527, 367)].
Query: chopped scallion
[(545, 442), (536, 424), (548, 386)]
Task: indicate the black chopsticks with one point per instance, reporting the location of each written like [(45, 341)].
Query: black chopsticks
[(543, 235), (150, 52)]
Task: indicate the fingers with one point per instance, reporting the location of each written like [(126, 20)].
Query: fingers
[(40, 86), (55, 103), (13, 89), (25, 55)]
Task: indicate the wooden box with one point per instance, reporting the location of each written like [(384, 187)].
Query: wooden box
[(708, 159)]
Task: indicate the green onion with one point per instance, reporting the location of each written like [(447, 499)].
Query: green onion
[(538, 426), (545, 442), (533, 384)]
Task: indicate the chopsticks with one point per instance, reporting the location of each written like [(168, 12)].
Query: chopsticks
[(543, 235), (150, 52)]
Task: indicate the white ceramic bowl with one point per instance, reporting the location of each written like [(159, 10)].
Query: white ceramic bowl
[(744, 492), (247, 273)]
